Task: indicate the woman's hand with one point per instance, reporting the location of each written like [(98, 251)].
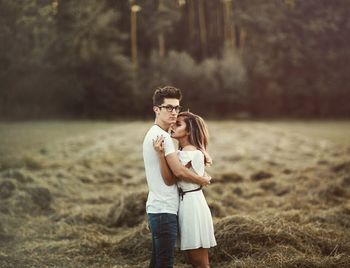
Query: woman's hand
[(158, 145)]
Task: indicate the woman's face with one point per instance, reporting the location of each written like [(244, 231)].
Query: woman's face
[(178, 130)]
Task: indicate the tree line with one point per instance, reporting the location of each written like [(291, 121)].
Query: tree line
[(103, 59)]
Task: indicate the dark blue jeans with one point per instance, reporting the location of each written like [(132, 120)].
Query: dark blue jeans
[(164, 232)]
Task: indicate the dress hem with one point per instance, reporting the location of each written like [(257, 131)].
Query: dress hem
[(197, 247)]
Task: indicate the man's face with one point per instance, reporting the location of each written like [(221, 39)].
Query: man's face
[(168, 111)]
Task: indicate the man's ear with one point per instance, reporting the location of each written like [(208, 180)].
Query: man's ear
[(156, 109)]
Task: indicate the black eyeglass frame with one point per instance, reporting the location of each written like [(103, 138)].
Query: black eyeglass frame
[(170, 108)]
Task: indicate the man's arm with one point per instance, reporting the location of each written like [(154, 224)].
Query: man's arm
[(184, 173)]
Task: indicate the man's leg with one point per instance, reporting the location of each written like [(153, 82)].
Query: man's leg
[(164, 232), (152, 224), (153, 257)]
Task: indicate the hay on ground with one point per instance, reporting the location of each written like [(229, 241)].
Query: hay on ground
[(129, 210), (266, 240)]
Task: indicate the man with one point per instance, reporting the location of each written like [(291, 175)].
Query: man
[(163, 199)]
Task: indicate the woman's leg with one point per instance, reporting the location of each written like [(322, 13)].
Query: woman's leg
[(199, 258)]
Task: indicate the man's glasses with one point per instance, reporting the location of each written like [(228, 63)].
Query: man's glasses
[(170, 108)]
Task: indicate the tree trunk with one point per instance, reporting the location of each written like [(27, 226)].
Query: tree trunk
[(242, 37), (202, 28), (133, 38), (161, 44), (229, 33), (161, 38), (191, 19)]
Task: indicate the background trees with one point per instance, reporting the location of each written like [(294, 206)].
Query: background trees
[(264, 58)]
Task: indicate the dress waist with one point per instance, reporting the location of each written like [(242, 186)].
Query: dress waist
[(182, 192)]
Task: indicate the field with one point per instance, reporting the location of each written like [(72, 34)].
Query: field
[(72, 194)]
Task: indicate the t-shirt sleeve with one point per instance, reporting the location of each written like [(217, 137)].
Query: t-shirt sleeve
[(168, 145), (198, 163)]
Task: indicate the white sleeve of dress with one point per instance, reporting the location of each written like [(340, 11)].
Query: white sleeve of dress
[(185, 157), (198, 163)]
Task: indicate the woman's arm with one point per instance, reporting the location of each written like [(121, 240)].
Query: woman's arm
[(167, 175)]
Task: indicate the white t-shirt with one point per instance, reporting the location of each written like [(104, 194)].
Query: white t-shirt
[(161, 197)]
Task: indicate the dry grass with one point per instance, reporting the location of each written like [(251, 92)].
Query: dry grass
[(76, 198)]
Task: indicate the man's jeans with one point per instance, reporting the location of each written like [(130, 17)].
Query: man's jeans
[(164, 232)]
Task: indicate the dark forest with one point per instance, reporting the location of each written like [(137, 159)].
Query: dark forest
[(103, 59)]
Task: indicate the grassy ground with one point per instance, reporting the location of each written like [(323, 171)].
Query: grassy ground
[(335, 131), (72, 194), (20, 137)]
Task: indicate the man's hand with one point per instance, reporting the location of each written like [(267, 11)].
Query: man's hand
[(206, 179), (158, 145)]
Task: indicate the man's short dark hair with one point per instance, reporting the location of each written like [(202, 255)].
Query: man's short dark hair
[(167, 92)]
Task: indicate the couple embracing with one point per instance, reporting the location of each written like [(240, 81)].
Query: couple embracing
[(175, 179)]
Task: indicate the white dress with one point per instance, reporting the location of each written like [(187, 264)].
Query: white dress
[(195, 220)]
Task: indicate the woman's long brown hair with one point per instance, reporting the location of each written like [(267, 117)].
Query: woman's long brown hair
[(199, 135)]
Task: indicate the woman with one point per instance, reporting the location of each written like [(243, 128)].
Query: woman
[(195, 221)]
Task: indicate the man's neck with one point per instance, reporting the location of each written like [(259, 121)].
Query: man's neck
[(162, 125)]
